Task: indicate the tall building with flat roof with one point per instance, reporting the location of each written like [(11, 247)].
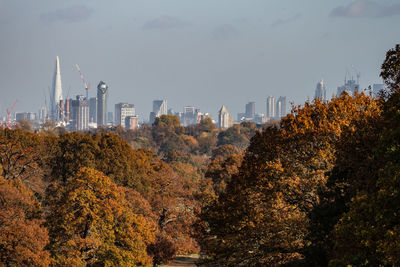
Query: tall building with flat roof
[(271, 107), (320, 90), (281, 107), (250, 109), (159, 108), (80, 113), (224, 119), (93, 109), (102, 95), (123, 110)]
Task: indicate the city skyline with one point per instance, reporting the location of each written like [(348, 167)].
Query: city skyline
[(192, 53)]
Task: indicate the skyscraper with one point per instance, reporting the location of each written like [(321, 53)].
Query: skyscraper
[(224, 119), (270, 107), (123, 110), (281, 107), (320, 91), (189, 116), (80, 113), (56, 92), (159, 108), (250, 109), (93, 109), (102, 95)]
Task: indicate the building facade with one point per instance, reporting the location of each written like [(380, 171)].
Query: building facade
[(102, 95), (80, 113), (250, 110), (271, 107), (93, 109), (159, 108), (56, 92), (132, 123), (281, 107), (224, 119), (320, 91), (123, 110)]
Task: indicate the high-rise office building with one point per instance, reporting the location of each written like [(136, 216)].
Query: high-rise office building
[(43, 114), (102, 95), (224, 119), (110, 118), (159, 108), (271, 107), (123, 110), (320, 91), (250, 109), (189, 116), (80, 113), (56, 92), (281, 107), (93, 109)]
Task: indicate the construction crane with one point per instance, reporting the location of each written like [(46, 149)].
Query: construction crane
[(87, 85), (8, 114)]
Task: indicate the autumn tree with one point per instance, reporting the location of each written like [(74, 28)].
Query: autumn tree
[(368, 231), (238, 135), (262, 217), (22, 236), (90, 223), (73, 151)]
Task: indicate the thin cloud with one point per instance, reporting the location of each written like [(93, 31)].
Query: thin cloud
[(224, 32), (164, 23), (67, 15), (366, 8), (280, 22)]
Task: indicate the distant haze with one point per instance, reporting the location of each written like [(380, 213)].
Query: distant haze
[(203, 53)]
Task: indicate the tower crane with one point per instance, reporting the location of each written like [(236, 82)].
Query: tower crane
[(8, 114), (85, 84)]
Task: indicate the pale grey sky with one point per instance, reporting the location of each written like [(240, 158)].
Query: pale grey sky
[(193, 52)]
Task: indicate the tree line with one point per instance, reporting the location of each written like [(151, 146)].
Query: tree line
[(319, 188)]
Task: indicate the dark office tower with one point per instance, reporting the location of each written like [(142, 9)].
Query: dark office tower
[(320, 91), (281, 107), (102, 95), (250, 109), (80, 111), (92, 109)]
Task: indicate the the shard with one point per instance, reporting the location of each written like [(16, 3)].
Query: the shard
[(56, 92)]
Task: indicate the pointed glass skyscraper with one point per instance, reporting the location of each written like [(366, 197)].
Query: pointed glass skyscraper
[(56, 92)]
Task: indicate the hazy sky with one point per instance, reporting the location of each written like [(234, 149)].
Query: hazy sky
[(203, 53)]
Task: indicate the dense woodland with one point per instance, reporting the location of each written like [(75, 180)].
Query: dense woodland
[(319, 188)]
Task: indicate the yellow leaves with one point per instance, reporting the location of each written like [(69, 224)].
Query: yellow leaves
[(92, 216)]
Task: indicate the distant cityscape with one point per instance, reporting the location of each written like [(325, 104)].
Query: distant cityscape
[(83, 112)]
